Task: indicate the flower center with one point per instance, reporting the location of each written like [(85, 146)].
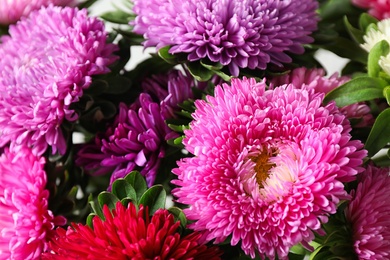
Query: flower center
[(262, 167)]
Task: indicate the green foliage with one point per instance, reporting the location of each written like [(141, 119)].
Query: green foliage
[(131, 189), (357, 90), (379, 50), (379, 136)]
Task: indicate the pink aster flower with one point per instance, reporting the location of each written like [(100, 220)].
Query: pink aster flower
[(26, 223), (238, 34), (135, 141), (380, 9), (316, 80), (12, 10), (369, 212), (268, 166), (128, 234), (46, 63)]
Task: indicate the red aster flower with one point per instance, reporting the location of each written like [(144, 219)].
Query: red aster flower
[(128, 234)]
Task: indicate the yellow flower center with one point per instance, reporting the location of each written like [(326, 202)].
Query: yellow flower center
[(262, 167)]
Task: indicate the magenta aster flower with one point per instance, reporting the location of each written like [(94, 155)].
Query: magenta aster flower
[(368, 212), (26, 222), (238, 34), (12, 10), (316, 80), (46, 63), (380, 9), (135, 141), (268, 166), (128, 234)]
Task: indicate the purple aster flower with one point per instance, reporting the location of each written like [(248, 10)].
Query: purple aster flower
[(135, 141), (170, 89), (238, 34), (12, 10), (46, 63), (268, 166)]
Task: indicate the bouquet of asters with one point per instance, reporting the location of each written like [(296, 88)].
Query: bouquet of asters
[(229, 140)]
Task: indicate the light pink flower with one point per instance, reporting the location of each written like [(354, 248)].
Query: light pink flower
[(26, 222), (380, 9), (12, 10), (369, 212), (46, 63), (315, 79), (269, 166)]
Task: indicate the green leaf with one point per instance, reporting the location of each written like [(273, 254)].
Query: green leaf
[(97, 209), (97, 87), (366, 20), (178, 128), (379, 136), (107, 198), (211, 65), (355, 33), (89, 219), (356, 90), (118, 85), (138, 182), (346, 48), (118, 17), (165, 55), (179, 215), (386, 93), (122, 189), (199, 72), (154, 198), (380, 49), (298, 250), (332, 10)]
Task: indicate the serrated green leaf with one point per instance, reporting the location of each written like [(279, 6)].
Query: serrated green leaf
[(380, 49), (357, 90), (179, 215), (199, 72), (122, 189), (155, 198), (379, 135), (107, 198), (137, 181)]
